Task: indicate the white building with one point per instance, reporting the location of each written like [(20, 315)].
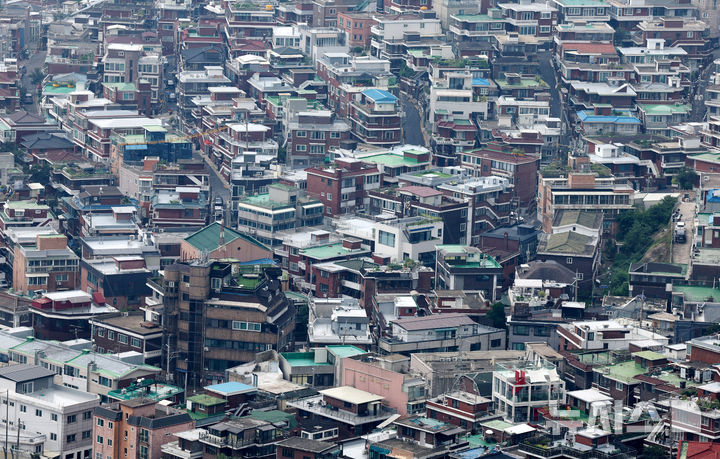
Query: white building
[(411, 237), (338, 321), (520, 388), (604, 334), (51, 418)]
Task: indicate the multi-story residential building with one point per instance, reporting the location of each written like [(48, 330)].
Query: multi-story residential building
[(95, 139), (311, 134), (413, 238), (182, 207), (354, 411), (343, 188), (588, 11), (712, 91), (393, 34), (240, 138), (139, 425), (131, 333), (422, 201), (686, 32), (317, 41), (334, 321), (392, 162), (500, 160), (460, 408), (282, 208), (347, 76), (47, 265), (375, 118), (130, 63), (357, 27), (215, 330), (440, 333), (576, 251), (196, 83), (490, 204), (402, 391), (530, 18), (61, 416), (67, 315), (603, 334), (459, 267), (24, 214), (246, 25), (580, 191), (467, 27), (521, 388), (120, 280), (72, 366)]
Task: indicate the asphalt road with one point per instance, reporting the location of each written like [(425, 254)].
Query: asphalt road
[(412, 127), (218, 186), (35, 61), (681, 251)]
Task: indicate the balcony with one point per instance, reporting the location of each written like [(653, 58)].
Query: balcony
[(317, 406)]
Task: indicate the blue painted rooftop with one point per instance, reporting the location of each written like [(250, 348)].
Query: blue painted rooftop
[(480, 82), (230, 388), (259, 261), (380, 96), (713, 197), (588, 116)]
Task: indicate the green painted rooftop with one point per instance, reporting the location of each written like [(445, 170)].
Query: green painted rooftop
[(301, 359), (324, 252), (25, 205), (121, 86), (696, 294), (478, 18), (665, 109), (390, 160), (649, 355), (206, 400), (208, 238), (624, 371), (497, 424), (274, 416), (345, 351), (263, 200), (61, 89)]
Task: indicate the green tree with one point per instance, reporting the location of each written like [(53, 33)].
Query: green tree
[(40, 173), (497, 315), (37, 76), (686, 178)]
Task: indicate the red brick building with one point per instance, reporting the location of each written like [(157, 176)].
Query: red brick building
[(342, 189), (357, 26), (498, 159)]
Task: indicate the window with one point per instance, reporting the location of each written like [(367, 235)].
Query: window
[(579, 276), (111, 335), (122, 338), (101, 332), (71, 419), (386, 238), (100, 439), (98, 456), (300, 147), (495, 343), (136, 342), (23, 408), (109, 442), (38, 413), (53, 417), (329, 196), (521, 330), (144, 435), (53, 436), (569, 261), (618, 385), (300, 134), (100, 422), (70, 438), (27, 387), (88, 434)]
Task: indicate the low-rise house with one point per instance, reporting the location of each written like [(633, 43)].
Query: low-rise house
[(521, 388), (467, 268), (575, 251), (66, 315)]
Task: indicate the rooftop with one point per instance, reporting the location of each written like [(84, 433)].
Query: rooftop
[(351, 395)]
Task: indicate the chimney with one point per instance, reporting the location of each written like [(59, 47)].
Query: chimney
[(221, 242)]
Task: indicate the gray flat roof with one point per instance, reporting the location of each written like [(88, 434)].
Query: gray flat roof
[(22, 373)]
